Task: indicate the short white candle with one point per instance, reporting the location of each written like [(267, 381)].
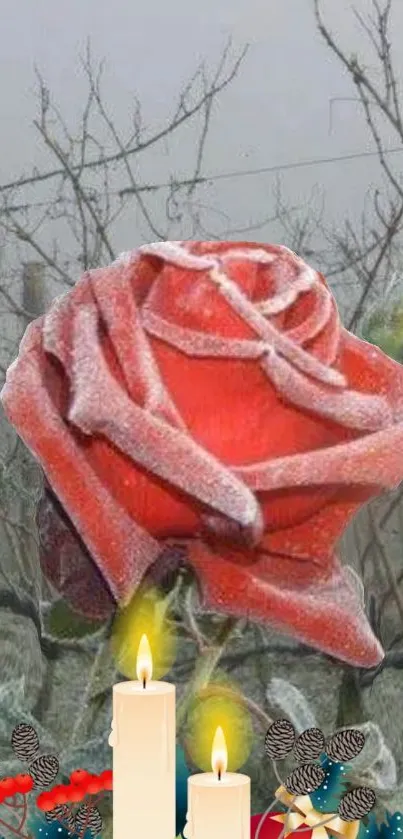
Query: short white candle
[(219, 801), (143, 739)]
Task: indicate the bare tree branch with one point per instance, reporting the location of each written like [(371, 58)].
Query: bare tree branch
[(183, 114)]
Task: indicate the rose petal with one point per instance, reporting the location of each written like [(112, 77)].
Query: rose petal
[(122, 550), (199, 344), (315, 319), (362, 411), (326, 615), (376, 460), (371, 371), (67, 563), (277, 340), (185, 303), (311, 540), (148, 441), (114, 297)]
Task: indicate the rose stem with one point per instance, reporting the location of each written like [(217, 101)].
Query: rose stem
[(253, 707), (387, 564), (204, 669)]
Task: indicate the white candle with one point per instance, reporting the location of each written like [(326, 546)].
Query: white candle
[(218, 801), (143, 739)]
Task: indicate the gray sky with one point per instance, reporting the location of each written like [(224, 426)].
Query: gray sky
[(276, 111)]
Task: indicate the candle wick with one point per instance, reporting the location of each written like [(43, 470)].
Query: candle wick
[(219, 774), (144, 683)]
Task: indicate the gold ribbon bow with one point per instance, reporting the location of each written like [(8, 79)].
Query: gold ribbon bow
[(304, 813)]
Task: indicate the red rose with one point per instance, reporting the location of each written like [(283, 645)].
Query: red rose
[(206, 393)]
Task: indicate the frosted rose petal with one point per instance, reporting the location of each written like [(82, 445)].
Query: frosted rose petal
[(277, 340), (200, 344), (376, 460), (117, 306), (122, 550), (147, 440), (317, 319), (363, 411), (327, 615)]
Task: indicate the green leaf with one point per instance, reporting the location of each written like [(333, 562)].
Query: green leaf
[(62, 622), (351, 707), (384, 328)]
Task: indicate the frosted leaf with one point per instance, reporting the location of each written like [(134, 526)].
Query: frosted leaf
[(148, 441), (375, 764), (358, 586), (282, 694)]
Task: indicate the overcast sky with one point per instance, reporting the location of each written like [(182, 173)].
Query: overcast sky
[(276, 111)]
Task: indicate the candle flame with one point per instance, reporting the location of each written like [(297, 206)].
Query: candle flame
[(219, 753), (144, 661)]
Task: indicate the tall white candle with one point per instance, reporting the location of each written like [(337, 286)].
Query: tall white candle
[(143, 739), (219, 801)]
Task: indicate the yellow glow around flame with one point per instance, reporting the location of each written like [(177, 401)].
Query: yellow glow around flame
[(147, 613), (144, 661), (219, 753), (219, 705)]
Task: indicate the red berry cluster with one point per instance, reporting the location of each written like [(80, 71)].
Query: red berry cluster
[(82, 783), (10, 786)]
